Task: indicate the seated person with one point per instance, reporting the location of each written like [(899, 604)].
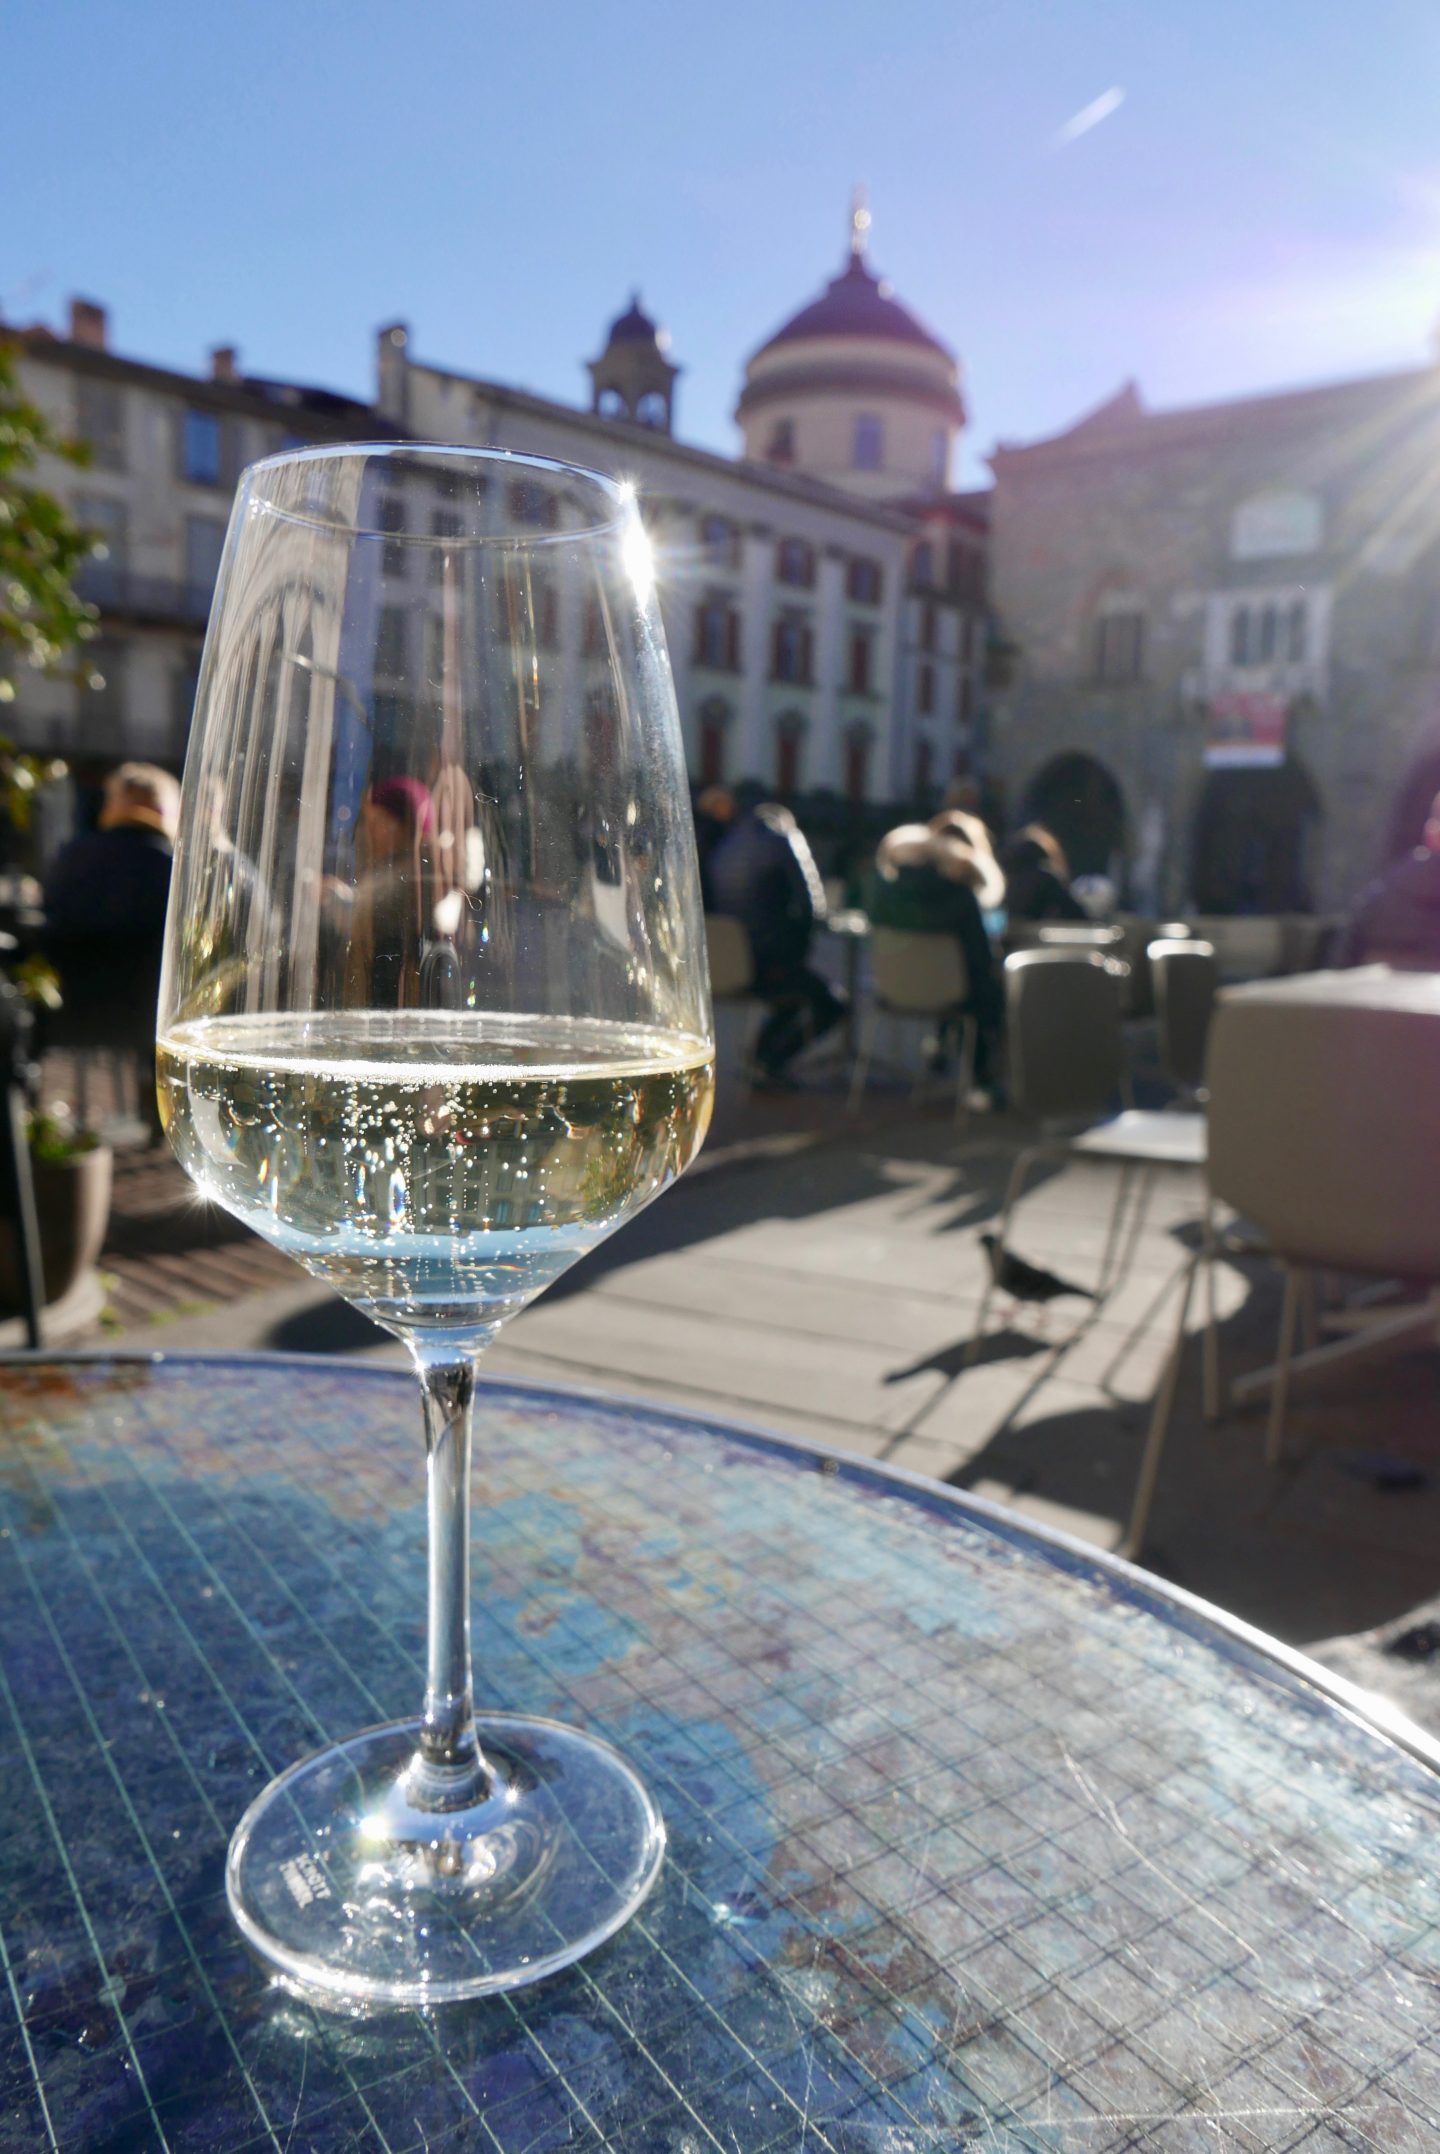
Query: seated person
[(940, 878), (1396, 920), (1037, 877), (762, 873)]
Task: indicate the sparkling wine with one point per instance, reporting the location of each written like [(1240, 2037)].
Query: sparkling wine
[(437, 1168)]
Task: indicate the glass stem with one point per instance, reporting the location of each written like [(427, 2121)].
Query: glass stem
[(449, 1771)]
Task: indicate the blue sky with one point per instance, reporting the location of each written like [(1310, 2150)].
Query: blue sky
[(1260, 204)]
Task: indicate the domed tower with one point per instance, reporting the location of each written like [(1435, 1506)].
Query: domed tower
[(632, 378), (854, 390)]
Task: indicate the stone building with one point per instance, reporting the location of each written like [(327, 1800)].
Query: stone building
[(823, 593), (166, 449), (1226, 624)]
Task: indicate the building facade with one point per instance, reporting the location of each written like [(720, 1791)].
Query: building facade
[(1226, 627), (824, 596), (824, 606), (166, 449)]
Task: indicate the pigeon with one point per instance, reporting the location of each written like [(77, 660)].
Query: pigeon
[(1026, 1282)]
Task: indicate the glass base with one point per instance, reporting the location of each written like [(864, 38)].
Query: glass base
[(360, 1898)]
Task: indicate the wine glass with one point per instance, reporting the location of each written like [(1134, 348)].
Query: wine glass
[(435, 1019)]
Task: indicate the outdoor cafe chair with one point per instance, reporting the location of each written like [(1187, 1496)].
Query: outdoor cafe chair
[(917, 976), (1321, 1112), (732, 978), (1184, 977), (1247, 946), (1066, 1060)]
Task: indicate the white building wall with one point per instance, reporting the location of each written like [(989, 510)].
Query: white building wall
[(685, 486)]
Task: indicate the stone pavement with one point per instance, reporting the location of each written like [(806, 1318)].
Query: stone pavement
[(822, 1277)]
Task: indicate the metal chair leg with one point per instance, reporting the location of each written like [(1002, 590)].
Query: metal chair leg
[(870, 1026), (1210, 1367), (1113, 1231), (964, 1082), (1160, 1418), (1138, 1211), (1279, 1396)]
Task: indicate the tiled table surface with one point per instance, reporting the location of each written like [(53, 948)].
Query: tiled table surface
[(974, 1843)]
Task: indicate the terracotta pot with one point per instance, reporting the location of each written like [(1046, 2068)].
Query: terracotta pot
[(72, 1201)]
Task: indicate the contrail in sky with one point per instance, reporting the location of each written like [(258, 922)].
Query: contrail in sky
[(1089, 116)]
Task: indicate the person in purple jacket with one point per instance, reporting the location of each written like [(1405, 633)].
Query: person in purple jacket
[(1396, 920)]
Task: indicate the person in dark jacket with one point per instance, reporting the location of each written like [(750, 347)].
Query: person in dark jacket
[(112, 884), (1396, 920), (714, 820), (763, 874), (105, 900), (1037, 877)]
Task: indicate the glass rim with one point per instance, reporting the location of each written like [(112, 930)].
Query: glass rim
[(621, 493)]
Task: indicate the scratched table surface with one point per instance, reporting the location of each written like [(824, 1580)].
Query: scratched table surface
[(974, 1842)]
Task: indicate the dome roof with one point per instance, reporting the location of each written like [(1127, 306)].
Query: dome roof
[(634, 326), (856, 304)]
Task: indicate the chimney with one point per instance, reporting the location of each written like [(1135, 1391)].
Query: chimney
[(88, 324), (224, 363), (392, 387)]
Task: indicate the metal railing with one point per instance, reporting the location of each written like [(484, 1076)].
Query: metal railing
[(125, 595)]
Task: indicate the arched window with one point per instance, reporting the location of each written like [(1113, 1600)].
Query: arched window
[(789, 740), (922, 563), (1295, 632), (611, 404), (714, 723), (857, 763), (720, 542), (864, 582), (868, 453), (791, 658), (652, 410), (795, 563), (717, 635), (780, 449)]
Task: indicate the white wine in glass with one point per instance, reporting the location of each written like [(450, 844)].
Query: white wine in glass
[(435, 1020)]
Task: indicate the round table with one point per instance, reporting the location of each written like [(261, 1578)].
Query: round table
[(976, 1841)]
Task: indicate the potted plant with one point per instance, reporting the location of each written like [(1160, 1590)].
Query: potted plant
[(71, 1170)]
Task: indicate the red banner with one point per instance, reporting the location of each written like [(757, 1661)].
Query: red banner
[(1246, 732)]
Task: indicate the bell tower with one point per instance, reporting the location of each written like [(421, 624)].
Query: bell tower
[(633, 378)]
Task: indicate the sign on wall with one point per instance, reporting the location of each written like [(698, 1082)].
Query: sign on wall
[(1246, 732)]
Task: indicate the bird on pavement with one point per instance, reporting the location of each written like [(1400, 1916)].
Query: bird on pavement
[(1025, 1281)]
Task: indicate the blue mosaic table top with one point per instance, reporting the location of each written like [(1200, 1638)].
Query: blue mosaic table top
[(973, 1843)]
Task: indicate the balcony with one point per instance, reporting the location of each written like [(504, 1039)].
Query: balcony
[(160, 601)]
